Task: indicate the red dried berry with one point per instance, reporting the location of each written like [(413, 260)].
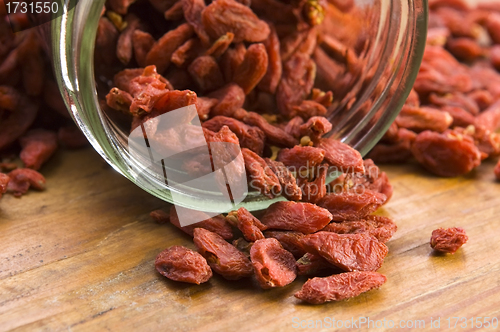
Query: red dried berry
[(38, 146), (382, 228), (161, 52), (301, 157), (448, 240), (250, 227), (340, 155), (250, 137), (223, 16), (289, 188), (160, 216), (231, 97), (291, 241), (448, 154), (22, 179), (313, 264), (352, 205), (340, 286), (217, 224), (222, 256), (182, 264), (274, 135), (261, 176), (350, 252), (293, 216), (252, 68), (273, 265)]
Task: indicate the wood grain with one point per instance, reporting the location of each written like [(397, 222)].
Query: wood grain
[(80, 257)]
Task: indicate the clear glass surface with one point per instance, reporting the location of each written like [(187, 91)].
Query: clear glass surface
[(393, 31)]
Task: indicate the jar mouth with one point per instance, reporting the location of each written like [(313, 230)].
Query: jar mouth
[(360, 118)]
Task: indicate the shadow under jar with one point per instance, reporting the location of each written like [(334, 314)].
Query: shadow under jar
[(368, 55)]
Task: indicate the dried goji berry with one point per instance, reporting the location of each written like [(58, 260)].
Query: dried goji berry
[(206, 73), (448, 240), (250, 227), (204, 106), (252, 68), (222, 256), (448, 154), (301, 157), (465, 49), (339, 287), (38, 146), (273, 265), (397, 152), (105, 42), (352, 205), (271, 79), (274, 134), (289, 188), (124, 46), (350, 252), (22, 179), (119, 100), (142, 43), (160, 216), (217, 224), (291, 241), (250, 137), (261, 176), (223, 16), (162, 50), (220, 45), (382, 228), (423, 118), (186, 53), (300, 217), (315, 127), (490, 117), (231, 60), (340, 155), (493, 26), (192, 13), (182, 264), (231, 97), (296, 83)]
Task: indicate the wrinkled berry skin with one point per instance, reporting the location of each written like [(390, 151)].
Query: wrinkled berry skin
[(448, 240), (182, 264), (339, 287), (222, 256), (350, 252), (273, 265), (292, 216)]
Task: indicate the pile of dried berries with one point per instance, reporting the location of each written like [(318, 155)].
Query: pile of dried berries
[(449, 123), (237, 61), (33, 118), (224, 58)]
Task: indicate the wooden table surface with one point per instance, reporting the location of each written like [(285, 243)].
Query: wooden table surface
[(80, 257)]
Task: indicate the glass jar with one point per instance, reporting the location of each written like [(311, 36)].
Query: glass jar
[(389, 38)]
